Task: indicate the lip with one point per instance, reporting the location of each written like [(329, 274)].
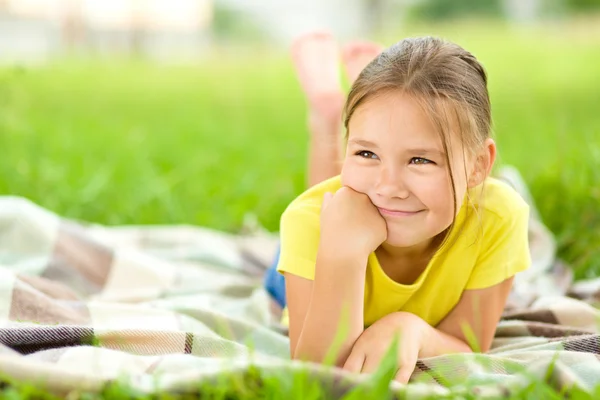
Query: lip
[(397, 213)]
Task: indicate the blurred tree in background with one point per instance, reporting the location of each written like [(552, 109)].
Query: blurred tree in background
[(231, 24), (443, 9), (582, 5), (451, 9)]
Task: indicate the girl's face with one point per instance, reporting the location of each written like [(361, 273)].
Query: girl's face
[(396, 157)]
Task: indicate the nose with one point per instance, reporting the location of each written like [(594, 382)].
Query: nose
[(390, 183)]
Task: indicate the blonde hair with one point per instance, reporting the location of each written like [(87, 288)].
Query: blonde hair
[(445, 79)]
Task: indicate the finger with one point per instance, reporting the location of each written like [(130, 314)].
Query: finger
[(372, 363), (409, 362), (326, 199), (403, 374), (355, 361), (352, 191)]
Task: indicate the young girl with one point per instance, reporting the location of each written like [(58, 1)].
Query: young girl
[(413, 240)]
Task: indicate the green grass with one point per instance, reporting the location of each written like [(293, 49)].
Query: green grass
[(254, 384), (132, 142), (127, 142), (122, 142)]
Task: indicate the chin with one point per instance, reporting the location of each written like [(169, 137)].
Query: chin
[(405, 240)]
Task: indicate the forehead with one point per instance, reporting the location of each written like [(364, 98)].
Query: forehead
[(393, 116), (397, 119)]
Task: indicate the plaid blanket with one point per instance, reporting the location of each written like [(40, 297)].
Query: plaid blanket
[(167, 308)]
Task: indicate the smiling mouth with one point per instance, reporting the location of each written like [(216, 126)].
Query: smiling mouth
[(398, 213)]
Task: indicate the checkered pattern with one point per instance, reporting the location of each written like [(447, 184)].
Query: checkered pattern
[(173, 306)]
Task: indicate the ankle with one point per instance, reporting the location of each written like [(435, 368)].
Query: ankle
[(326, 108), (325, 127)]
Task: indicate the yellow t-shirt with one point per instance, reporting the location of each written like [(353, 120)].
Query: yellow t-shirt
[(487, 245)]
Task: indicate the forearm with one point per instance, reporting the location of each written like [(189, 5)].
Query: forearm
[(335, 312)]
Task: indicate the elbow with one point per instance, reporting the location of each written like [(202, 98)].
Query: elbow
[(318, 356), (468, 349), (475, 347), (306, 353), (307, 356), (465, 346), (484, 348), (485, 344)]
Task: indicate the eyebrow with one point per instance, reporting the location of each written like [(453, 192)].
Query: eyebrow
[(422, 150), (362, 142), (417, 150)]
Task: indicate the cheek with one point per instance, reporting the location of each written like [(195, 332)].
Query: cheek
[(356, 177), (436, 192)]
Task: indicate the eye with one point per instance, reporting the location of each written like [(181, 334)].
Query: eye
[(420, 161), (366, 154)]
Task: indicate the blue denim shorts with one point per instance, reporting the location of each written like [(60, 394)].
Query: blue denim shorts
[(275, 282)]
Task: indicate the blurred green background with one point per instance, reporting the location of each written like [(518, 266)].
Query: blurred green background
[(128, 140)]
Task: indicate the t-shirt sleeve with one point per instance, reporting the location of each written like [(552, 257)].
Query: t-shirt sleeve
[(299, 233), (504, 251)]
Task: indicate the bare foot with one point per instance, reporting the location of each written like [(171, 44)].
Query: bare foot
[(356, 56), (316, 60)]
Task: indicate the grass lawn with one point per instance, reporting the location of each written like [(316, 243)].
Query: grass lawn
[(133, 142)]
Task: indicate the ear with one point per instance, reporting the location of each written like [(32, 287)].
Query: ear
[(484, 161)]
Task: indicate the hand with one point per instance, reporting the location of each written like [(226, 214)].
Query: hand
[(350, 222), (374, 343)]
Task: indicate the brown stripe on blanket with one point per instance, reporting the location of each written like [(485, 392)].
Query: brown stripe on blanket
[(33, 304), (588, 290), (583, 344), (551, 331), (30, 339), (252, 266), (545, 316), (50, 288), (145, 342), (258, 252), (78, 260), (189, 343), (422, 367)]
